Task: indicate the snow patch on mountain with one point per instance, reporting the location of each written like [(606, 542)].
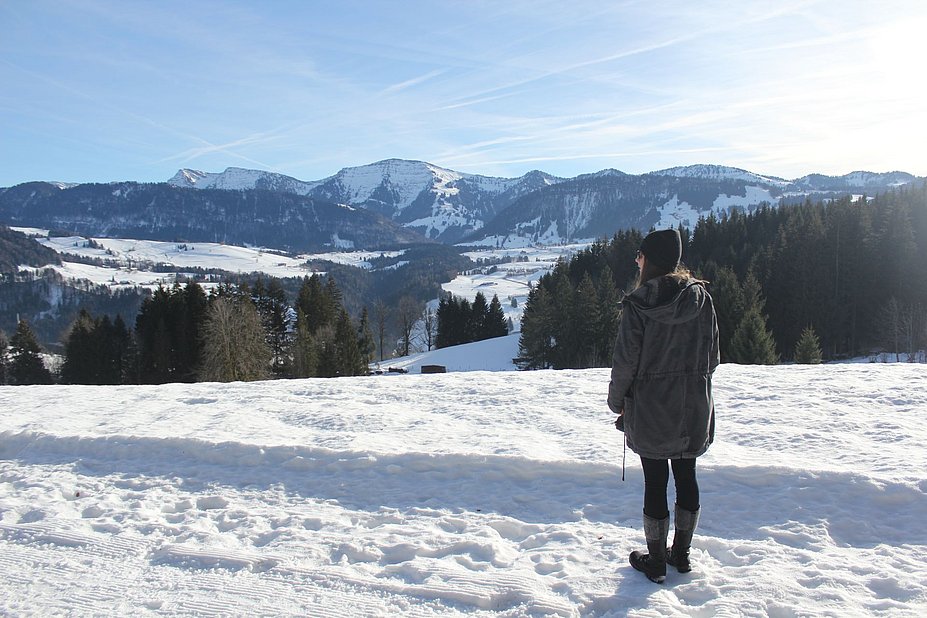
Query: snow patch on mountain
[(754, 196), (551, 236), (673, 213), (445, 219), (578, 211)]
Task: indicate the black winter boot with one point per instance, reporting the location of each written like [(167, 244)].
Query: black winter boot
[(678, 554), (653, 563)]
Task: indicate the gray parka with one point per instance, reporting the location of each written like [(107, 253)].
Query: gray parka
[(665, 354)]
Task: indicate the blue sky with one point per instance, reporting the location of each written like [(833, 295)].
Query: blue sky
[(99, 90)]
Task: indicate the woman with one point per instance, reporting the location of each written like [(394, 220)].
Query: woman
[(665, 353)]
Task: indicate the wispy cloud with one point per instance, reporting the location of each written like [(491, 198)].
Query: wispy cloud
[(229, 148), (412, 82), (187, 155), (580, 157)]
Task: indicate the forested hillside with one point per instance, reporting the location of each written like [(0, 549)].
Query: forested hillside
[(847, 272), (17, 249)]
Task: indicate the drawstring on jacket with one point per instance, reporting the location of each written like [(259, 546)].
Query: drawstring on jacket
[(624, 452)]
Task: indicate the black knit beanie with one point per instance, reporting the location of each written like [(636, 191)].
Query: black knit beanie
[(663, 249)]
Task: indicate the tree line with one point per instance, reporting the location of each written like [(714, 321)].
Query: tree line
[(460, 321), (183, 334), (809, 282)]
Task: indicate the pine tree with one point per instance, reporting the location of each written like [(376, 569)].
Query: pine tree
[(381, 318), (325, 342), (800, 282), (808, 348), (455, 321), (479, 314), (752, 342), (728, 297), (442, 315), (609, 314), (350, 361), (587, 333), (365, 342), (119, 352), (535, 346), (82, 357), (189, 311), (168, 332), (564, 316), (305, 353), (271, 303), (318, 303), (154, 340), (26, 366), (496, 324), (891, 327)]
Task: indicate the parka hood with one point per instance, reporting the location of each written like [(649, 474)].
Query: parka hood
[(669, 300)]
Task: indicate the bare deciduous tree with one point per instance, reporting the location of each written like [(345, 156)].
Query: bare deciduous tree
[(380, 318), (430, 327), (407, 316), (234, 344)]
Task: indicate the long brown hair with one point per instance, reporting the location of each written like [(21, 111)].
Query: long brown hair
[(651, 271)]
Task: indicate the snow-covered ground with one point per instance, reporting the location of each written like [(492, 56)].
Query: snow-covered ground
[(129, 262), (510, 279), (491, 355), (462, 494)]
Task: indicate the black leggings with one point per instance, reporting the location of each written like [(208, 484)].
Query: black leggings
[(656, 478)]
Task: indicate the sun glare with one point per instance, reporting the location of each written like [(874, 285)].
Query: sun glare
[(899, 51)]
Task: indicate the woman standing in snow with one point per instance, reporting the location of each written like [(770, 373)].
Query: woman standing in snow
[(665, 354)]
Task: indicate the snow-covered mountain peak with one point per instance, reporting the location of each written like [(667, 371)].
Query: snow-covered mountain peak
[(240, 179), (542, 177), (609, 172), (859, 181), (718, 172), (187, 178), (606, 173)]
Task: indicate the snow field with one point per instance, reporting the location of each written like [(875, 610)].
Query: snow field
[(478, 494), (134, 256)]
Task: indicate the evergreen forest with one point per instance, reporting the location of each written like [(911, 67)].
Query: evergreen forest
[(182, 334), (803, 283)]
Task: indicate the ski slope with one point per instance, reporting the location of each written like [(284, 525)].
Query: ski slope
[(463, 494)]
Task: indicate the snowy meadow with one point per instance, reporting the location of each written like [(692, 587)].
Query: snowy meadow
[(462, 494)]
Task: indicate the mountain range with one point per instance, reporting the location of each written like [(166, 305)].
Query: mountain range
[(395, 203)]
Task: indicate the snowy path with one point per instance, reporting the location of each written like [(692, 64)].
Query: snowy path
[(479, 494)]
